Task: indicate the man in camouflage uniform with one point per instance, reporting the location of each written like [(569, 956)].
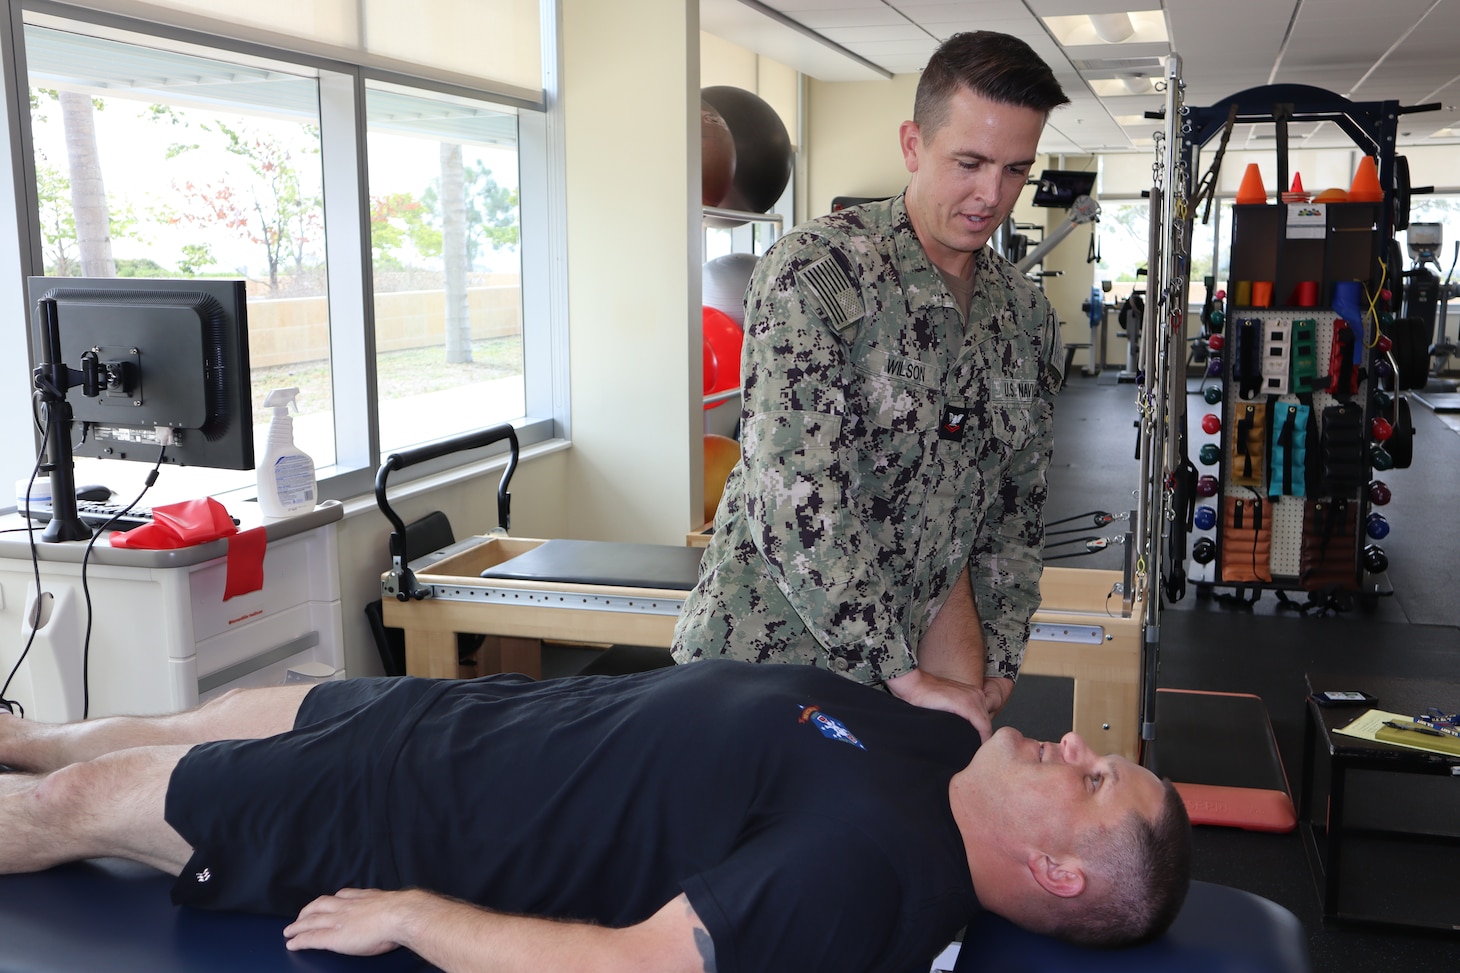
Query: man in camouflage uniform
[(898, 377)]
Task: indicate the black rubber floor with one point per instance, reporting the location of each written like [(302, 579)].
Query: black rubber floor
[(1265, 650)]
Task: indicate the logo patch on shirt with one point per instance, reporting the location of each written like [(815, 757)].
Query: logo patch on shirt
[(950, 426), (830, 727), (1014, 389)]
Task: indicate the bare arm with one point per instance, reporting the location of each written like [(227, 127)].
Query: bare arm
[(950, 674), (458, 937)]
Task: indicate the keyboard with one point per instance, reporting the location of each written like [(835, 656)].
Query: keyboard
[(95, 513)]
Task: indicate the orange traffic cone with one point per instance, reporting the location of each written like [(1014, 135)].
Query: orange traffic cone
[(1365, 187), (1252, 190), (1296, 194)]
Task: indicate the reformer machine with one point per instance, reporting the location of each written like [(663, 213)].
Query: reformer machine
[(519, 592)]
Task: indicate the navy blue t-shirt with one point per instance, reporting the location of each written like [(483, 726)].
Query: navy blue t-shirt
[(805, 816)]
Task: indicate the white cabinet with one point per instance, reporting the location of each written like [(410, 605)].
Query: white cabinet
[(162, 637)]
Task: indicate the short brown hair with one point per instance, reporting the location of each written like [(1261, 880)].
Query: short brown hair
[(1137, 873), (997, 66), (1141, 870)]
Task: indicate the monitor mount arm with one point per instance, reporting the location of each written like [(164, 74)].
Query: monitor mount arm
[(53, 378), (1083, 210)]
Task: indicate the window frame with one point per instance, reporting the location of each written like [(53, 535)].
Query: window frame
[(345, 165)]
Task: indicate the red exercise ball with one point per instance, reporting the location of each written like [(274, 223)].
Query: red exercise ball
[(724, 338), (712, 365), (717, 156)]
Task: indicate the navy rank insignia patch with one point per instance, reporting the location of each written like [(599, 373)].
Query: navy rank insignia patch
[(950, 426)]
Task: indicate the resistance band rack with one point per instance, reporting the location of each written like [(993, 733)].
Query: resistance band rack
[(1302, 397)]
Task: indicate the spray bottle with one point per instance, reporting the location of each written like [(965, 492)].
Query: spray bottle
[(286, 475)]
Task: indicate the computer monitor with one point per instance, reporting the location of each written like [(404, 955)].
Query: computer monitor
[(175, 354), (140, 369), (1061, 187)]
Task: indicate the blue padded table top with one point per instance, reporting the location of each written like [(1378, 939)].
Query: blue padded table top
[(1219, 930), (117, 916)]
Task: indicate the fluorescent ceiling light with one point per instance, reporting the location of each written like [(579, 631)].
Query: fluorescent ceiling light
[(1112, 28), (1116, 87), (1085, 30)]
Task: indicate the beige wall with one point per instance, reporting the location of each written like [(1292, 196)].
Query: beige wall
[(851, 139), (633, 269)]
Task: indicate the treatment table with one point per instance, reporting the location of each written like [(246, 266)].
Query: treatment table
[(115, 916), (1080, 632)]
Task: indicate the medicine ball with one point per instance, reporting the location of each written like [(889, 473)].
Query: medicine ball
[(717, 156), (763, 156), (724, 281), (1206, 517), (1204, 551)]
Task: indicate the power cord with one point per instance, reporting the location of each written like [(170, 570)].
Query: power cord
[(14, 706), (86, 587)]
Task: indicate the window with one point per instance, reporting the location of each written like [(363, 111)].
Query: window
[(445, 239), (173, 154), (1124, 230), (152, 163)]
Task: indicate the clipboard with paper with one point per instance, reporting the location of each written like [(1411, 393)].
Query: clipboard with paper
[(1401, 731)]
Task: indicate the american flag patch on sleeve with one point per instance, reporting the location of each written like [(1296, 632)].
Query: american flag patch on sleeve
[(831, 293)]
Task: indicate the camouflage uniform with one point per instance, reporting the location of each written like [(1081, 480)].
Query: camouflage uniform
[(886, 445)]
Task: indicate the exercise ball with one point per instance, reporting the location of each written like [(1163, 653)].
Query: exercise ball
[(725, 280), (763, 156), (717, 156), (711, 367), (724, 338), (721, 455)]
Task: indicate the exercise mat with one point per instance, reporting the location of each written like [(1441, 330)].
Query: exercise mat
[(1220, 752)]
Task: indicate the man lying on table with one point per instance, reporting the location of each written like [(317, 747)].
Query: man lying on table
[(720, 816)]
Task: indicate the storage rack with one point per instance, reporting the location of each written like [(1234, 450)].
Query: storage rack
[(1316, 535)]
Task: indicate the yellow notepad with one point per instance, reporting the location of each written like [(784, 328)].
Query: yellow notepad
[(1370, 726)]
